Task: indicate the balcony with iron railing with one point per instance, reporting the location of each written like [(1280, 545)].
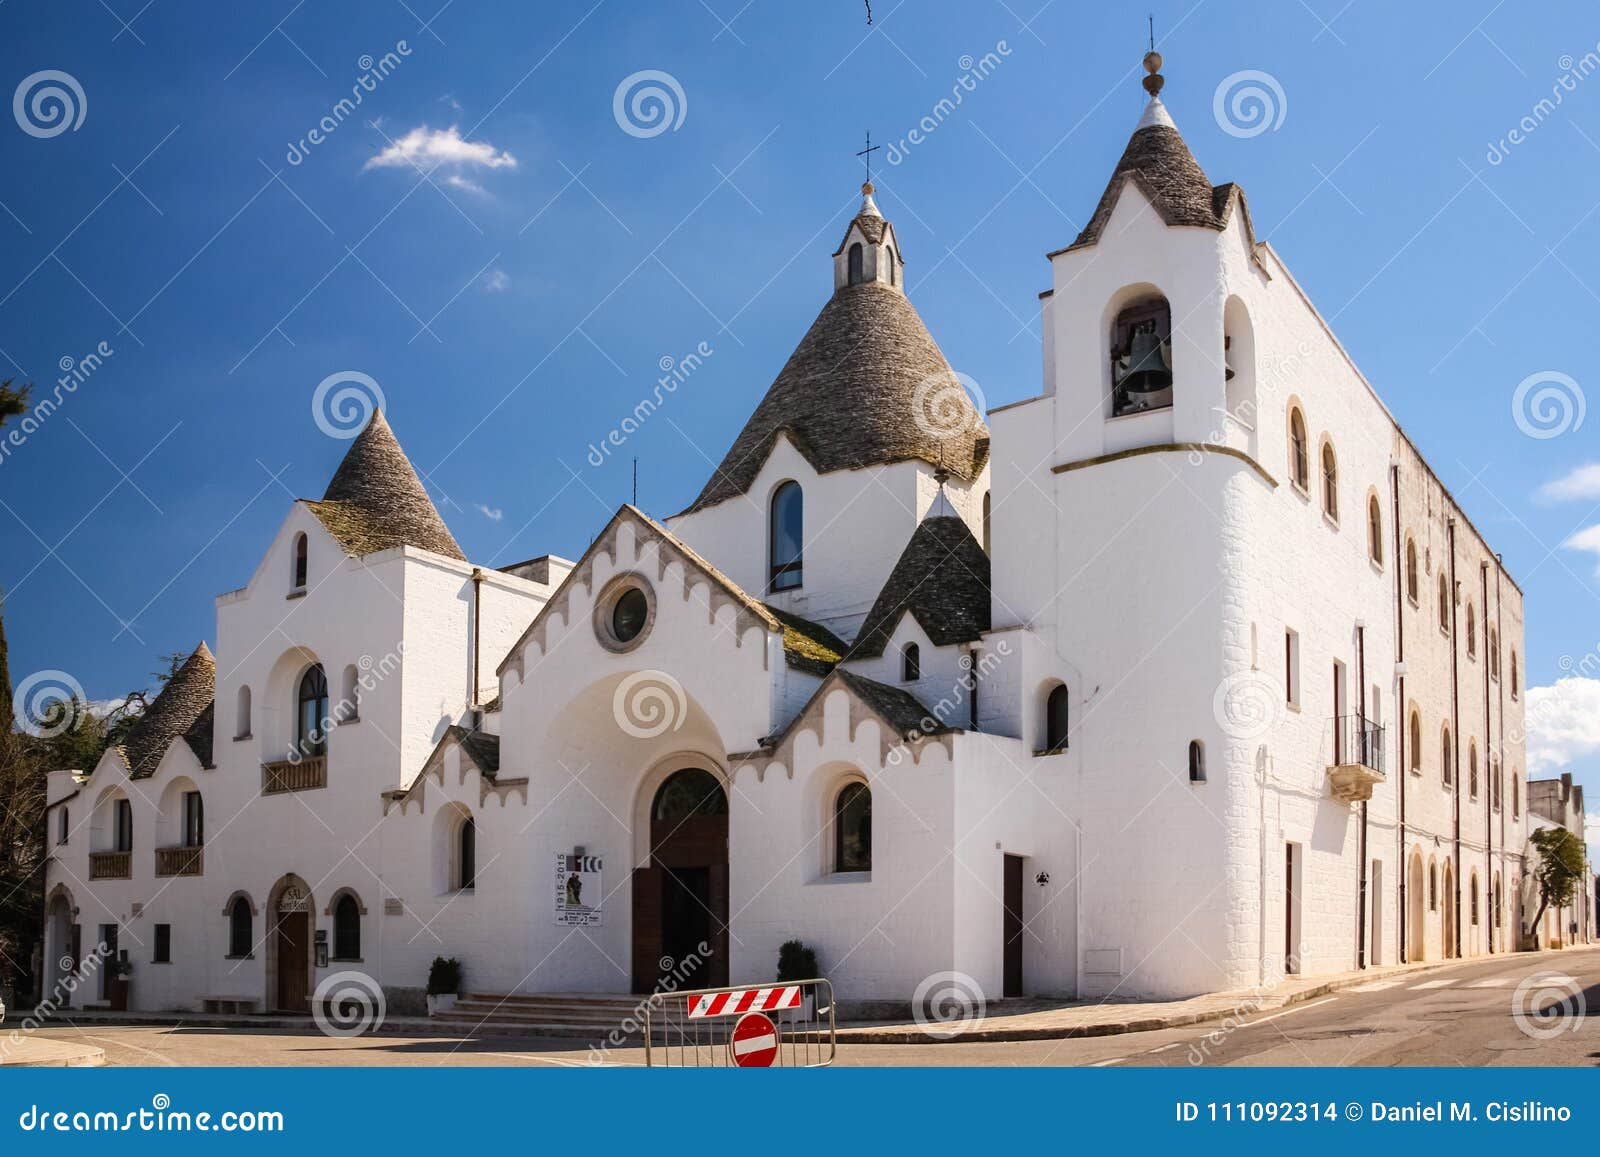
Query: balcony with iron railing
[(110, 865), (286, 775), (1358, 758), (180, 861)]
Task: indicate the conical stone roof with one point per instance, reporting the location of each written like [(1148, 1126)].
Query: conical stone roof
[(180, 710), (941, 578), (376, 501)]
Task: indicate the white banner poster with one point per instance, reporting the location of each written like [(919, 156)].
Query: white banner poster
[(578, 890)]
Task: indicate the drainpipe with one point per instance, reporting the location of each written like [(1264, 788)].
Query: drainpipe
[(1365, 748), (1402, 769), (1500, 732), (1455, 715), (1488, 811), (477, 631), (972, 702)]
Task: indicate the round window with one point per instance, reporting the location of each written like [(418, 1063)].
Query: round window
[(628, 615)]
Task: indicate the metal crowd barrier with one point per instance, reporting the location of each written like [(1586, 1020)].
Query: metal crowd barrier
[(696, 1029)]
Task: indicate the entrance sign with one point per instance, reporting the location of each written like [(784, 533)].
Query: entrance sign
[(754, 1041), (743, 1000), (577, 890)]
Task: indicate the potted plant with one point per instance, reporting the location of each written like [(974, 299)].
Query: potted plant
[(117, 983), (444, 984), (797, 962)]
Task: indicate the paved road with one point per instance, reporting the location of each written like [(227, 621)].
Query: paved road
[(1462, 1015)]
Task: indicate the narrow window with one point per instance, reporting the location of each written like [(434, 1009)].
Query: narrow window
[(888, 255), (852, 829), (1413, 587), (1472, 631), (1444, 603), (1299, 455), (1291, 667), (1416, 742), (1474, 900), (1472, 770), (1445, 770), (241, 723), (350, 704), (300, 550), (241, 935), (855, 264), (1057, 716), (785, 536), (163, 952), (1496, 783), (1516, 796), (63, 825), (467, 856), (1197, 761), (1433, 887), (1494, 653), (312, 717), (1516, 683), (194, 820), (986, 512), (1330, 482), (347, 928), (1375, 530), (122, 819), (910, 663)]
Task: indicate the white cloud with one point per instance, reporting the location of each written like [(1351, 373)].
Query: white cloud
[(496, 280), (493, 514), (465, 184), (429, 148), (1584, 482), (1587, 541), (1563, 723)]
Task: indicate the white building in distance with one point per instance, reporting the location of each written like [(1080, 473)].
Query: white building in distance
[(1185, 673)]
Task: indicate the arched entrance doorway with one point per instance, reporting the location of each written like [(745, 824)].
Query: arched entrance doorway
[(63, 945), (290, 919), (680, 898), (1447, 914), (1416, 909)]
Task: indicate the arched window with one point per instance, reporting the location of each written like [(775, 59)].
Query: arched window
[(467, 855), (1413, 584), (691, 792), (1197, 761), (122, 824), (241, 930), (1499, 902), (1516, 795), (241, 722), (1330, 482), (888, 255), (347, 928), (350, 703), (1474, 899), (311, 737), (1057, 715), (852, 829), (855, 264), (1141, 357), (1494, 653), (1472, 631), (1472, 770), (786, 536), (1446, 772), (910, 663), (1496, 783), (1374, 529), (986, 510), (1433, 887), (1516, 682), (1444, 603), (1299, 452), (1416, 742), (298, 577)]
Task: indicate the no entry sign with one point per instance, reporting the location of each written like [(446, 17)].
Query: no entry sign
[(754, 1042)]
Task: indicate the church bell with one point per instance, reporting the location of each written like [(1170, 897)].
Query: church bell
[(1147, 372)]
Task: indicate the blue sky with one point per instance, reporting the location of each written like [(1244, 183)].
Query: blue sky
[(515, 306)]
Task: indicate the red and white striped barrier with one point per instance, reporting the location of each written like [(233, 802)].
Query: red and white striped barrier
[(743, 1000)]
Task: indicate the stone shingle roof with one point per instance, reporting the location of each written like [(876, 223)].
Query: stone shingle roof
[(480, 747), (941, 578), (900, 709), (182, 709), (849, 397), (808, 646), (376, 501)]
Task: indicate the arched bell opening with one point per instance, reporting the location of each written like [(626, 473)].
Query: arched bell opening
[(1141, 356)]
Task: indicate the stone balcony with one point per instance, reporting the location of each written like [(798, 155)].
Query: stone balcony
[(1358, 758), (110, 865), (286, 775)]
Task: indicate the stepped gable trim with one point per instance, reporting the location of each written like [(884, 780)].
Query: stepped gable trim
[(480, 751), (909, 724), (666, 548)]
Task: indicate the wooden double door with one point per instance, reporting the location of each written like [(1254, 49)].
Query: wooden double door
[(680, 898)]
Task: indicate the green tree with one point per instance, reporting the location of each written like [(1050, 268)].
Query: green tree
[(13, 402), (1557, 872)]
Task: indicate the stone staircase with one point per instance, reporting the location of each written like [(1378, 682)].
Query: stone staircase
[(584, 1015)]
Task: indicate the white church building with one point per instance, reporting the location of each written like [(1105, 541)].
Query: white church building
[(1184, 673)]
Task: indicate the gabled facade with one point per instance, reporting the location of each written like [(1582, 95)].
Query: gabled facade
[(1182, 674)]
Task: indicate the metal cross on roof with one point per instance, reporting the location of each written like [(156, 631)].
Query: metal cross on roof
[(866, 155)]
